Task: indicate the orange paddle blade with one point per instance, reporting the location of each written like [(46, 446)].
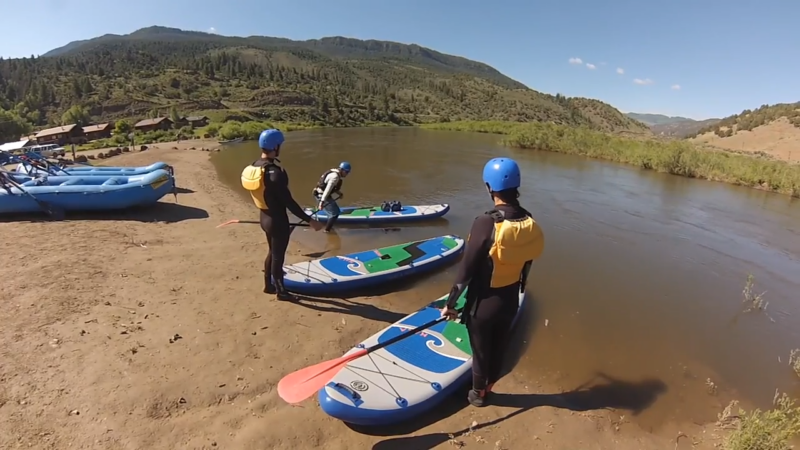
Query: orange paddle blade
[(302, 384), (228, 223)]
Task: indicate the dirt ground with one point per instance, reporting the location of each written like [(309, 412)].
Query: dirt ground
[(150, 331), (780, 139)]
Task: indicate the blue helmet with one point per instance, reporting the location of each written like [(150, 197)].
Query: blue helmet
[(344, 165), (501, 174), (270, 139)]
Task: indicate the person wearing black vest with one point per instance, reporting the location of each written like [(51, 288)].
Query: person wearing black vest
[(330, 183)]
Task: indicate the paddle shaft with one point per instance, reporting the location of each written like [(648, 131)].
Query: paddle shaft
[(404, 335)]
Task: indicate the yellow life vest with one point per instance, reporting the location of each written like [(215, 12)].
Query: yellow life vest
[(253, 181), (515, 245)]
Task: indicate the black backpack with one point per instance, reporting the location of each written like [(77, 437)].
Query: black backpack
[(392, 206)]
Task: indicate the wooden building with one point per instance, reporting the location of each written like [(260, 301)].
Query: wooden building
[(159, 123), (63, 135), (197, 121), (99, 131)]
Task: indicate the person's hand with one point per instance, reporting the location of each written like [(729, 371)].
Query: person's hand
[(315, 225), (319, 207), (449, 313)]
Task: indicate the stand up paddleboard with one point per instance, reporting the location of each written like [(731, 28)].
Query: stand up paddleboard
[(404, 379), (371, 267), (374, 215)]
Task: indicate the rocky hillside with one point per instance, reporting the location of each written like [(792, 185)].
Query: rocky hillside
[(333, 81)]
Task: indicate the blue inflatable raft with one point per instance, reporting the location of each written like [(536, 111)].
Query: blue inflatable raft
[(92, 170), (83, 193)]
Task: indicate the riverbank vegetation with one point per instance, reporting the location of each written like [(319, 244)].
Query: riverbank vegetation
[(225, 129), (326, 82), (674, 157), (761, 430), (794, 361)]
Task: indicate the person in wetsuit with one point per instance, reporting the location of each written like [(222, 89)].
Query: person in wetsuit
[(268, 184), (501, 247), (330, 183)]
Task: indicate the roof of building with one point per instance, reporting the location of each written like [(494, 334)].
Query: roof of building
[(56, 130), (12, 146), (146, 122), (196, 118), (95, 128)]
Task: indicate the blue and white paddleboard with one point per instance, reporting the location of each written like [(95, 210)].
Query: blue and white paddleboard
[(375, 215), (368, 268), (404, 379)]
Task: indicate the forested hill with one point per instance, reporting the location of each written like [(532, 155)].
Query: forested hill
[(335, 81)]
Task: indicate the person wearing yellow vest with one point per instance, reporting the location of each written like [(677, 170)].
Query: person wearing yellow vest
[(501, 247), (268, 184)]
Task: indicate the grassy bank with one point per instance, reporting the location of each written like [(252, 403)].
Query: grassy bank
[(675, 157)]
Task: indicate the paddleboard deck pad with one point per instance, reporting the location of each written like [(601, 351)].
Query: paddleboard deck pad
[(353, 215), (368, 268), (407, 378)]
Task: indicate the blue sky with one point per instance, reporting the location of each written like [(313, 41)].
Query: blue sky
[(724, 55)]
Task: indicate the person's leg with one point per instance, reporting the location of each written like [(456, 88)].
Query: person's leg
[(280, 242), (333, 211), (482, 326), (501, 338), (480, 341), (266, 226)]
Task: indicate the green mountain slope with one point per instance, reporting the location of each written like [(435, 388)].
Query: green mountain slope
[(336, 80), (657, 119), (674, 126)]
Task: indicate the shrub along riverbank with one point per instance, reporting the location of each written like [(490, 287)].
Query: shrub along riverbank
[(675, 157), (224, 131)]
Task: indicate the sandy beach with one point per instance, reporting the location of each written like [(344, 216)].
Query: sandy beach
[(150, 331)]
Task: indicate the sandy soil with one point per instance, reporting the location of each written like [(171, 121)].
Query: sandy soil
[(91, 313), (780, 139)]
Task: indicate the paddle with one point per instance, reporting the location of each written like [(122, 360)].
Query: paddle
[(302, 384), (233, 221), (54, 212)]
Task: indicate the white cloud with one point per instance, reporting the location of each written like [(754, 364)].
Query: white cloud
[(620, 70), (641, 82), (591, 66), (212, 30), (675, 87), (575, 61)]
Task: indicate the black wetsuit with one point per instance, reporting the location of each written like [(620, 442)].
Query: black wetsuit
[(275, 222), (489, 312)]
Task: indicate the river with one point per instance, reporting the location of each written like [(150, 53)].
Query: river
[(642, 274)]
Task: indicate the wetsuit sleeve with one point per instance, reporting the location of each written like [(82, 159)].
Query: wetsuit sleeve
[(333, 178), (280, 180), (477, 249)]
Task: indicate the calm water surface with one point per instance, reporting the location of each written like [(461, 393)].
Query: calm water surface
[(642, 272)]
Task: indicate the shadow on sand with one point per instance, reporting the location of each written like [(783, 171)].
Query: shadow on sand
[(609, 393), (348, 307), (160, 212)]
